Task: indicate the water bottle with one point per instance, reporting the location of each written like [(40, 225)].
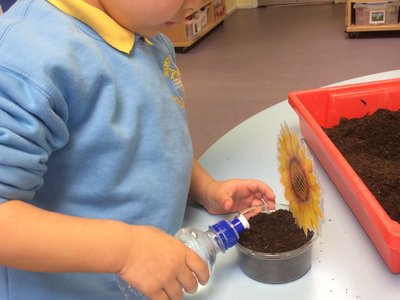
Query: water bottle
[(207, 244), (218, 238)]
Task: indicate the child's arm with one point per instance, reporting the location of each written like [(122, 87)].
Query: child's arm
[(227, 196), (149, 259)]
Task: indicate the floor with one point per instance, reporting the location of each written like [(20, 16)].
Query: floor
[(258, 55)]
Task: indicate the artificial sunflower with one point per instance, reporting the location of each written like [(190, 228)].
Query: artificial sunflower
[(302, 189)]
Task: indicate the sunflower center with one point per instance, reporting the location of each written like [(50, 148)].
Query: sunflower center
[(298, 179)]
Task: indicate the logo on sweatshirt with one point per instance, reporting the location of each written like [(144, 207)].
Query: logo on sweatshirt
[(172, 72)]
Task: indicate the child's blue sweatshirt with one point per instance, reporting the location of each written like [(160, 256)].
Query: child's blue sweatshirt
[(93, 124)]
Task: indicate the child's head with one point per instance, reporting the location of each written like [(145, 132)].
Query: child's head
[(146, 17)]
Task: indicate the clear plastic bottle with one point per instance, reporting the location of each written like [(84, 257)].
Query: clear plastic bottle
[(207, 244), (218, 238)]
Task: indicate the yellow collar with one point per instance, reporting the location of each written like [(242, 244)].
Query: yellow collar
[(113, 33)]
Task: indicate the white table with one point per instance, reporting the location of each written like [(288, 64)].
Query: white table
[(345, 263)]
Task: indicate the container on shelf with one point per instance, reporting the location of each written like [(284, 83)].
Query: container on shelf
[(204, 16), (219, 9), (325, 107), (197, 24), (377, 13), (189, 29)]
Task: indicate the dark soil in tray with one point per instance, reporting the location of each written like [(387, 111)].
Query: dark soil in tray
[(371, 145), (276, 232)]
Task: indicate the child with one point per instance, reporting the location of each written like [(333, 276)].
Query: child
[(95, 155)]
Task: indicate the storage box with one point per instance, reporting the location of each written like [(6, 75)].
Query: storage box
[(324, 107), (204, 16), (377, 13)]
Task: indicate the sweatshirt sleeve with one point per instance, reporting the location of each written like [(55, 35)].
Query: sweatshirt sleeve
[(32, 126)]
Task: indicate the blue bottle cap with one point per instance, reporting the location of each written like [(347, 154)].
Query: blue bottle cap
[(229, 231), (240, 223)]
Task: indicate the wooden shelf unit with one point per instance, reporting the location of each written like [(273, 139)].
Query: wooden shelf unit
[(352, 29), (178, 33)]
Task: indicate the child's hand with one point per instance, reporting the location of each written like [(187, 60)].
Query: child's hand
[(235, 195), (160, 266)]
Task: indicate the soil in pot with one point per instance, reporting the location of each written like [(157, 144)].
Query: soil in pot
[(276, 232), (274, 249), (371, 145)]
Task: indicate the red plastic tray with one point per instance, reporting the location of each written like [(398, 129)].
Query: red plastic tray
[(324, 107)]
